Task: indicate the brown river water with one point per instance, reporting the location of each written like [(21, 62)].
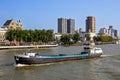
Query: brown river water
[(105, 68)]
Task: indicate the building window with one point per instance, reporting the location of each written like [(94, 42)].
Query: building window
[(12, 23)]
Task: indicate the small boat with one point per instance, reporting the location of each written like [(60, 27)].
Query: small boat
[(34, 58)]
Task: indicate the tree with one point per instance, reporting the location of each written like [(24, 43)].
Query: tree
[(87, 37), (96, 38), (65, 39), (76, 37)]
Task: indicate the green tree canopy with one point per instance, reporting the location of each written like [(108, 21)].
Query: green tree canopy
[(76, 37), (29, 35), (103, 38), (65, 39), (87, 37)]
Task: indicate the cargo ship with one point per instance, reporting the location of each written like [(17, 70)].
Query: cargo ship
[(35, 58)]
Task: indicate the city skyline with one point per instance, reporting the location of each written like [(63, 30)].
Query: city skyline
[(44, 14)]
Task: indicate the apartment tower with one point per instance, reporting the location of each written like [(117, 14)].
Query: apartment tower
[(62, 25), (91, 24), (66, 26), (71, 26)]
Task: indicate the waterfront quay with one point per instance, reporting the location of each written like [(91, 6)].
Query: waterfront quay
[(29, 46)]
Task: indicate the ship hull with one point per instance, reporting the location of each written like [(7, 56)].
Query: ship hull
[(36, 60)]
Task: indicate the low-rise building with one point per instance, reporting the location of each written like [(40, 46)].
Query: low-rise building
[(57, 36), (108, 32), (92, 35), (2, 34), (11, 24), (103, 31)]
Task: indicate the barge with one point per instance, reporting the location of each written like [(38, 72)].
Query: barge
[(34, 58)]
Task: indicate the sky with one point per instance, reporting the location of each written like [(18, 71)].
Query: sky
[(43, 14)]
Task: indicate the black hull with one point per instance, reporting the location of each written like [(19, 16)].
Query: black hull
[(34, 60)]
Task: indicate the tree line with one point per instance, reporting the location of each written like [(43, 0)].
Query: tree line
[(103, 38), (29, 35), (45, 36), (70, 39)]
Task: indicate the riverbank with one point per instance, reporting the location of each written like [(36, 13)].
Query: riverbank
[(27, 46)]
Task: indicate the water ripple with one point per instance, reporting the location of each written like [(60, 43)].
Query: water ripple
[(7, 65)]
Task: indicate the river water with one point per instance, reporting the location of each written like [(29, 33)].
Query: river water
[(105, 68)]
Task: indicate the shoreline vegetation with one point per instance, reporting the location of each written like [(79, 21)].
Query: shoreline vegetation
[(75, 40), (27, 37), (45, 38)]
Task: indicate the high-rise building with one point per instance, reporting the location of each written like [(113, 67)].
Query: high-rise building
[(66, 26), (112, 32), (71, 26), (115, 33), (91, 24), (62, 25)]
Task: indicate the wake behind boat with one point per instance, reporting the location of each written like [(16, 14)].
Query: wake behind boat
[(34, 58)]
